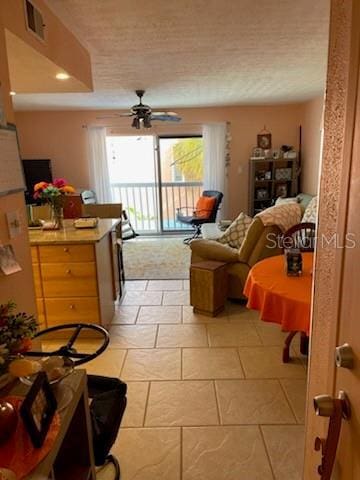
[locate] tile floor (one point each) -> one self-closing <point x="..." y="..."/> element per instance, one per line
<point x="208" y="398"/>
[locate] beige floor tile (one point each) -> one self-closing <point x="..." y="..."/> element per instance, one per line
<point x="266" y="362"/>
<point x="142" y="298"/>
<point x="181" y="403"/>
<point x="207" y="363"/>
<point x="182" y="336"/>
<point x="238" y="313"/>
<point x="190" y="317"/>
<point x="134" y="415"/>
<point x="152" y="364"/>
<point x="125" y="315"/>
<point x="165" y="285"/>
<point x="109" y="363"/>
<point x="248" y="402"/>
<point x="181" y="297"/>
<point x="149" y="453"/>
<point x="186" y="284"/>
<point x="133" y="336"/>
<point x="232" y="335"/>
<point x="132" y="285"/>
<point x="270" y="333"/>
<point x="295" y="391"/>
<point x="225" y="453"/>
<point x="285" y="445"/>
<point x="160" y="314"/>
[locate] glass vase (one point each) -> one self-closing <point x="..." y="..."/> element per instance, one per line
<point x="57" y="215"/>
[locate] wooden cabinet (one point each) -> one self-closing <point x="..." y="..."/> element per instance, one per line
<point x="269" y="179"/>
<point x="74" y="282"/>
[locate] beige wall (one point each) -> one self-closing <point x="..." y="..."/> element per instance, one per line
<point x="19" y="286"/>
<point x="311" y="130"/>
<point x="60" y="136"/>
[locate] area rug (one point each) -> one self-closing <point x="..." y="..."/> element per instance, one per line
<point x="156" y="258"/>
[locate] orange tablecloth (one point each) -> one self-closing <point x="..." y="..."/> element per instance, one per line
<point x="279" y="298"/>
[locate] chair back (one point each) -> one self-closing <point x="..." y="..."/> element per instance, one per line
<point x="88" y="197"/>
<point x="301" y="236"/>
<point x="218" y="198"/>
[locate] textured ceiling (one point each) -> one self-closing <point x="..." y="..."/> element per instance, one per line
<point x="189" y="53"/>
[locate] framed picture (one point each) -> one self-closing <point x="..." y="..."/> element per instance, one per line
<point x="262" y="194"/>
<point x="276" y="154"/>
<point x="281" y="190"/>
<point x="257" y="153"/>
<point x="264" y="141"/>
<point x="38" y="409"/>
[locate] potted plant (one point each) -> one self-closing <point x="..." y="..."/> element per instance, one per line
<point x="54" y="194"/>
<point x="16" y="332"/>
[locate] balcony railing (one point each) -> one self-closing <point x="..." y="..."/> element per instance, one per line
<point x="143" y="202"/>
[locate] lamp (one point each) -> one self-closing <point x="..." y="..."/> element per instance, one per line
<point x="136" y="123"/>
<point x="147" y="121"/>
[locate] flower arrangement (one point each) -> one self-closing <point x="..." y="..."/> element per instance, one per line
<point x="16" y="332"/>
<point x="53" y="193"/>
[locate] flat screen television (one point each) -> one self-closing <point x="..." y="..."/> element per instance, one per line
<point x="35" y="170"/>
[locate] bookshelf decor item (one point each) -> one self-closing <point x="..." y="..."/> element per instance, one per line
<point x="264" y="139"/>
<point x="270" y="178"/>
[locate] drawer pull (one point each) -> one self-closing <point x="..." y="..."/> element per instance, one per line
<point x="68" y="271"/>
<point x="71" y="307"/>
<point x="66" y="249"/>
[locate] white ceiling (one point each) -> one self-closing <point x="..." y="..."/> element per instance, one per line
<point x="189" y="53"/>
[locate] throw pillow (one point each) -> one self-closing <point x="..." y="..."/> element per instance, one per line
<point x="310" y="214"/>
<point x="235" y="233"/>
<point x="204" y="207"/>
<point x="281" y="200"/>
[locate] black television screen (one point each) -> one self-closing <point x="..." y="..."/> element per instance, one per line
<point x="35" y="171"/>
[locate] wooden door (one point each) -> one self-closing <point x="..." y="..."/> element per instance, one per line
<point x="337" y="268"/>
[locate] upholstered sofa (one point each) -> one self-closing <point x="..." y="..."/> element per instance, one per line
<point x="259" y="243"/>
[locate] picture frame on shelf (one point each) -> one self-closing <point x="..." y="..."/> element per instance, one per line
<point x="38" y="409"/>
<point x="281" y="190"/>
<point x="283" y="174"/>
<point x="257" y="153"/>
<point x="262" y="194"/>
<point x="276" y="154"/>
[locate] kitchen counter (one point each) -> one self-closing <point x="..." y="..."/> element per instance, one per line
<point x="71" y="235"/>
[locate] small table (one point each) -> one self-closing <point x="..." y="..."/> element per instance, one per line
<point x="208" y="287"/>
<point x="282" y="299"/>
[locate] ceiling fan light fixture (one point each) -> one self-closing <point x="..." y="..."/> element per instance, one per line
<point x="147" y="121"/>
<point x="136" y="123"/>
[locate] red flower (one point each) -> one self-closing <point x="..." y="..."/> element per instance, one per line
<point x="59" y="182"/>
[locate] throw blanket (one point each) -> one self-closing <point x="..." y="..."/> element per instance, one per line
<point x="284" y="215"/>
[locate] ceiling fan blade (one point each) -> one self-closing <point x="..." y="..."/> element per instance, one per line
<point x="170" y="114"/>
<point x="116" y="115"/>
<point x="165" y="117"/>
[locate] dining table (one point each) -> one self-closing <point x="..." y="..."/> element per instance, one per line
<point x="282" y="299"/>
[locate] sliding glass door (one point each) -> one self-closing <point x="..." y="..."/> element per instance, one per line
<point x="181" y="165"/>
<point x="153" y="177"/>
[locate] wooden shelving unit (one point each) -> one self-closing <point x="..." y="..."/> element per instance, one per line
<point x="269" y="179"/>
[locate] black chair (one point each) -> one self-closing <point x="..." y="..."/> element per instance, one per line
<point x="187" y="214"/>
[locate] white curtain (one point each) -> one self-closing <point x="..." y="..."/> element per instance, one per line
<point x="98" y="166"/>
<point x="214" y="138"/>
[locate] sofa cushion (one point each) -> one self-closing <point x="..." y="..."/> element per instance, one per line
<point x="212" y="250"/>
<point x="310" y="214"/>
<point x="235" y="233"/>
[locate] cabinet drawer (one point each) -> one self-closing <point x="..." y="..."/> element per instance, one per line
<point x="37" y="280"/>
<point x="66" y="253"/>
<point x="34" y="255"/>
<point x="69" y="279"/>
<point x="40" y="313"/>
<point x="71" y="310"/>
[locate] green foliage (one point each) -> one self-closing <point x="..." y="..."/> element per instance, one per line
<point x="188" y="156"/>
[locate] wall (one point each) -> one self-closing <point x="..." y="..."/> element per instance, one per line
<point x="60" y="135"/>
<point x="311" y="130"/>
<point x="19" y="286"/>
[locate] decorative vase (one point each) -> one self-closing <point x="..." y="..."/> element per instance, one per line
<point x="57" y="214"/>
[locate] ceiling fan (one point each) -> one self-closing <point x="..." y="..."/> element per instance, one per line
<point x="143" y="115"/>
